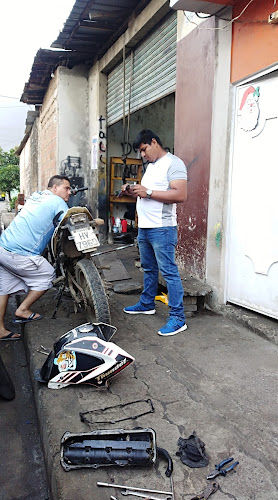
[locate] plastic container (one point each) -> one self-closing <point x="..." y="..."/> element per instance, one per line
<point x="118" y="224"/>
<point x="124" y="226"/>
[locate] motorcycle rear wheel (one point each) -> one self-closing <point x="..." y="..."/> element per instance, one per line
<point x="87" y="276"/>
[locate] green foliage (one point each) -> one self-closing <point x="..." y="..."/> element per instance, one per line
<point x="9" y="178"/>
<point x="12" y="202"/>
<point x="8" y="158"/>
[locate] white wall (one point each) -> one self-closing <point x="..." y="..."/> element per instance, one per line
<point x="24" y="163"/>
<point x="73" y="117"/>
<point x="219" y="169"/>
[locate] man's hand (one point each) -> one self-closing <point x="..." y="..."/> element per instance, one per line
<point x="176" y="194"/>
<point x="139" y="190"/>
<point x="127" y="191"/>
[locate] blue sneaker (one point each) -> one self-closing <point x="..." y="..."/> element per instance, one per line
<point x="138" y="309"/>
<point x="174" y="325"/>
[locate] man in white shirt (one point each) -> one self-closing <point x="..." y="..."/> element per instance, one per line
<point x="163" y="186"/>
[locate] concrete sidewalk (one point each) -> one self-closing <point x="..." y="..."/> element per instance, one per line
<point x="217" y="378"/>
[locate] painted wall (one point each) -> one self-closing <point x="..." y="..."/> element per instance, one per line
<point x="159" y="117"/>
<point x="73" y="129"/>
<point x="219" y="168"/>
<point x="97" y="144"/>
<point x="193" y="118"/>
<point x="34" y="160"/>
<point x="24" y="165"/>
<point x="29" y="163"/>
<point x="254" y="45"/>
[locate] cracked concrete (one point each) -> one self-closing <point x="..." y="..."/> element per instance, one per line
<point x="217" y="378"/>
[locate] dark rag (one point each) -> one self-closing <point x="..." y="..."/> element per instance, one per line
<point x="192" y="451"/>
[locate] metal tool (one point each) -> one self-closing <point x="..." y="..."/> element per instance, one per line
<point x="218" y="471"/>
<point x="113" y="249"/>
<point x="43" y="350"/>
<point x="132" y="488"/>
<point x="142" y="495"/>
<point x="172" y="487"/>
<point x="205" y="494"/>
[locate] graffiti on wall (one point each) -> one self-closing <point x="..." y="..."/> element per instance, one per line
<point x="99" y="158"/>
<point x="71" y="167"/>
<point x="98" y="155"/>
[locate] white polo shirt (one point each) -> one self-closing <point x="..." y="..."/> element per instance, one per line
<point x="152" y="213"/>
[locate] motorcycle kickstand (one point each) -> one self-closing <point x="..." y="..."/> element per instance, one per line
<point x="60" y="294"/>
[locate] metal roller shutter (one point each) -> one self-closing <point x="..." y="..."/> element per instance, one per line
<point x="153" y="72"/>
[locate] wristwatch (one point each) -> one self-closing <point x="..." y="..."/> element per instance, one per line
<point x="149" y="192"/>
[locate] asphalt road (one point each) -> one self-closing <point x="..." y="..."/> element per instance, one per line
<point x="22" y="470"/>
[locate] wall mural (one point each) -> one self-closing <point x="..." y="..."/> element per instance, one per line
<point x="71" y="167"/>
<point x="252" y="115"/>
<point x="249" y="110"/>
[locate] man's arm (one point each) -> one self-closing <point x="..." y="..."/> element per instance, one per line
<point x="176" y="194"/>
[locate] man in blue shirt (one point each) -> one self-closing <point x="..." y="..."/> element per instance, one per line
<point x="22" y="268"/>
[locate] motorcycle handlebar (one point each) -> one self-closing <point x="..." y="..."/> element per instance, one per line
<point x="76" y="190"/>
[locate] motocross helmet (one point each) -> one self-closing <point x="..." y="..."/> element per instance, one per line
<point x="84" y="355"/>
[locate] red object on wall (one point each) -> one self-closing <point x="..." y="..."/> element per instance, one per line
<point x="124" y="226"/>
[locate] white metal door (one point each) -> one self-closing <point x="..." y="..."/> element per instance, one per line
<point x="253" y="227"/>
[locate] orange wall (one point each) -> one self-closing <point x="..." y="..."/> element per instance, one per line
<point x="254" y="44"/>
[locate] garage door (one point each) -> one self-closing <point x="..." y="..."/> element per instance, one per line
<point x="152" y="70"/>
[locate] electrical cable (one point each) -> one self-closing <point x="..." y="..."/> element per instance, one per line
<point x="212" y="15"/>
<point x="9" y="97"/>
<point x="224" y="27"/>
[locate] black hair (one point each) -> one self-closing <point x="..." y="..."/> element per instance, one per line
<point x="145" y="137"/>
<point x="57" y="179"/>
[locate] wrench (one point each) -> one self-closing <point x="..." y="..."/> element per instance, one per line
<point x="142" y="495"/>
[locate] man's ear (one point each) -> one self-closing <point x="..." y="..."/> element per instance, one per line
<point x="154" y="141"/>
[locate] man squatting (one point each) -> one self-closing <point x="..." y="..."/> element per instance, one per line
<point x="22" y="268"/>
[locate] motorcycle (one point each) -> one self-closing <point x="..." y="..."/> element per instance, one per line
<point x="71" y="248"/>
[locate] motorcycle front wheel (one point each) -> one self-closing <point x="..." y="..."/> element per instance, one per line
<point x="87" y="276"/>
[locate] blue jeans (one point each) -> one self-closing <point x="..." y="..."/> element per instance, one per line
<point x="157" y="251"/>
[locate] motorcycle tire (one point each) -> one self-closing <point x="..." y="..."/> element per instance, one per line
<point x="87" y="276"/>
<point x="7" y="390"/>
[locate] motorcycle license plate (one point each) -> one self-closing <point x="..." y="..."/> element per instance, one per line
<point x="85" y="239"/>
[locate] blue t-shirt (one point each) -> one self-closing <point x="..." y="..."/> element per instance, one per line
<point x="32" y="228"/>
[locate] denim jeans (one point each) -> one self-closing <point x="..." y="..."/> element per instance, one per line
<point x="157" y="251"/>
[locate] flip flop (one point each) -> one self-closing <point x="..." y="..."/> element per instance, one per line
<point x="10" y="337"/>
<point x="27" y="320"/>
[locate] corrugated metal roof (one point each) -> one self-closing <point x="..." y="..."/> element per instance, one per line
<point x="91" y="28"/>
<point x="45" y="63"/>
<point x="97" y="24"/>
